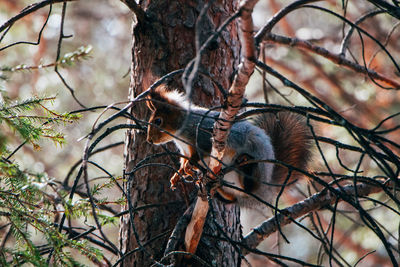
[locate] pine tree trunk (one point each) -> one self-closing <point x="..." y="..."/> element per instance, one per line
<point x="166" y="42"/>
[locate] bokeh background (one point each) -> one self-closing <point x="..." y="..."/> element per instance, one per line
<point x="102" y="78"/>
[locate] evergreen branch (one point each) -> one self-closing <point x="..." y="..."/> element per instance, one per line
<point x="35" y="117"/>
<point x="27" y="104"/>
<point x="67" y="60"/>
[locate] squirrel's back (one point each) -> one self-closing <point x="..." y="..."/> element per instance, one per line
<point x="291" y="138"/>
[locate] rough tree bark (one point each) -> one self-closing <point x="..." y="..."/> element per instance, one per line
<point x="164" y="42"/>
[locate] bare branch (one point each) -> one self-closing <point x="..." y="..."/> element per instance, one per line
<point x="390" y="9"/>
<point x="346" y="39"/>
<point x="28" y="10"/>
<point x="278" y="16"/>
<point x="178" y="230"/>
<point x="313" y="203"/>
<point x="337" y="59"/>
<point x="234" y="100"/>
<point x="223" y="124"/>
<point x="60" y="39"/>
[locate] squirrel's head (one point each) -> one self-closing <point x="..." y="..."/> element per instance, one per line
<point x="166" y="117"/>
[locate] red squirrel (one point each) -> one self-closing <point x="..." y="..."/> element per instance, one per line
<point x="283" y="136"/>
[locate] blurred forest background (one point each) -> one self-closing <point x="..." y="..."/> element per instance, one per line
<point x="97" y="59"/>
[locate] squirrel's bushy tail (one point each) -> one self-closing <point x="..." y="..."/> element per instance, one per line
<point x="291" y="138"/>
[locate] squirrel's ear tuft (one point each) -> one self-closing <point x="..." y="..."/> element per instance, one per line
<point x="155" y="97"/>
<point x="149" y="103"/>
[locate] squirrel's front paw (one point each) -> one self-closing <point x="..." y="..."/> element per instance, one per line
<point x="188" y="174"/>
<point x="174" y="180"/>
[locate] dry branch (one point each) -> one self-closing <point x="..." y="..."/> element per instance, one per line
<point x="223" y="124"/>
<point x="313" y="203"/>
<point x="235" y="95"/>
<point x="337" y="59"/>
<point x="28" y="10"/>
<point x="178" y="230"/>
<point x="266" y="29"/>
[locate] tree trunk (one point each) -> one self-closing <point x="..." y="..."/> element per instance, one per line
<point x="163" y="43"/>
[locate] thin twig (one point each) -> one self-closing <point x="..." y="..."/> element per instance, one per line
<point x="28" y="10"/>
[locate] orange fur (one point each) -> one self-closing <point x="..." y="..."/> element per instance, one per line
<point x="165" y="106"/>
<point x="168" y="111"/>
<point x="289" y="134"/>
<point x="291" y="139"/>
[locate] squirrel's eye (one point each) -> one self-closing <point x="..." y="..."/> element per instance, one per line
<point x="157" y="121"/>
